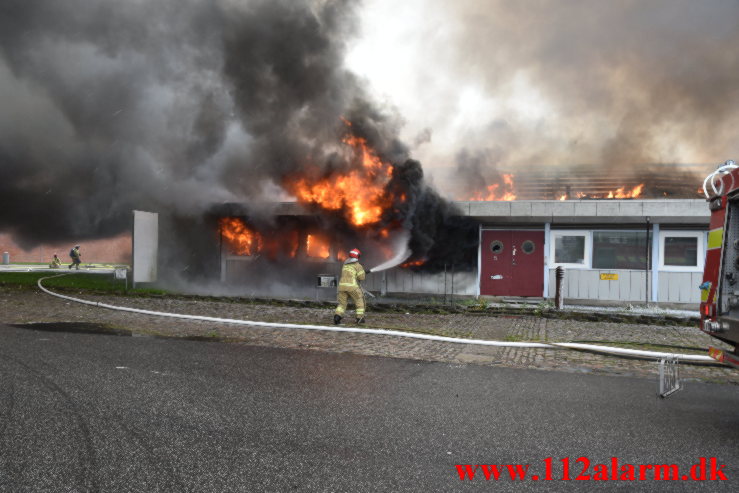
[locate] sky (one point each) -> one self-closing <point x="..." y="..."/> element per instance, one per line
<point x="551" y="83"/>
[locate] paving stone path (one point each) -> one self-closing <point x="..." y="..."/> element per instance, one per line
<point x="21" y="306"/>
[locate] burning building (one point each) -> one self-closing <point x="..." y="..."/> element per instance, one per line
<point x="649" y="250"/>
<point x="616" y="244"/>
<point x="175" y="108"/>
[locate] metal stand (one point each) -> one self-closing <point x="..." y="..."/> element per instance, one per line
<point x="122" y="274"/>
<point x="669" y="377"/>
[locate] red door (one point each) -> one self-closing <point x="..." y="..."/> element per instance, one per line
<point x="512" y="263"/>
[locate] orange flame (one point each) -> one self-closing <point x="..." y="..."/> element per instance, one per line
<point x="622" y="193"/>
<point x="414" y="263"/>
<point x="619" y="193"/>
<point x="507" y="193"/>
<point x="317" y="246"/>
<point x="360" y="193"/>
<point x="241" y="239"/>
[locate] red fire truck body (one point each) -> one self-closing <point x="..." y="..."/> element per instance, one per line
<point x="719" y="306"/>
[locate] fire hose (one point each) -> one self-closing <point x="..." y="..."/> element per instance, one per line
<point x="366" y="292"/>
<point x="395" y="333"/>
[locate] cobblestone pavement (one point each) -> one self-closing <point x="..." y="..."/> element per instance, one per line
<point x="18" y="306"/>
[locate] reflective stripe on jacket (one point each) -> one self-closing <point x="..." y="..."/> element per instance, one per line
<point x="351" y="273"/>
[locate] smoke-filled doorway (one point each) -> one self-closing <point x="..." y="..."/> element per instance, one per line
<point x="512" y="263"/>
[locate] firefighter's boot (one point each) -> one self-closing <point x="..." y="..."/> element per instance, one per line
<point x="337" y="319"/>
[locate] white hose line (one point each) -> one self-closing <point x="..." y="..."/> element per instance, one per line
<point x="394" y="333"/>
<point x="616" y="351"/>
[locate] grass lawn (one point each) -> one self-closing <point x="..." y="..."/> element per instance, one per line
<point x="95" y="283"/>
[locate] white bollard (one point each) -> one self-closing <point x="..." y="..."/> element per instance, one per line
<point x="6" y="258"/>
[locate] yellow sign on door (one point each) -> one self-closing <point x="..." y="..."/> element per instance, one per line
<point x="609" y="277"/>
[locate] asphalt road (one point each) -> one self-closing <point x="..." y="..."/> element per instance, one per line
<point x="90" y="412"/>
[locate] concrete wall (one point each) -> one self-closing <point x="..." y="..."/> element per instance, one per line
<point x="585" y="284"/>
<point x="405" y="281"/>
<point x="247" y="275"/>
<point x="584" y="212"/>
<point x="679" y="287"/>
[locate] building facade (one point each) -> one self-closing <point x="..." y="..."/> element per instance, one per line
<point x="619" y="251"/>
<point x="611" y="250"/>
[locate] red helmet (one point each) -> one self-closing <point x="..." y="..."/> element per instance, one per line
<point x="355" y="253"/>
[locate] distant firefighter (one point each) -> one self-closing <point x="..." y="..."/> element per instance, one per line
<point x="75" y="254"/>
<point x="56" y="262"/>
<point x="351" y="273"/>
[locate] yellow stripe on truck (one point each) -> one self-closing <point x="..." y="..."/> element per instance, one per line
<point x="715" y="237"/>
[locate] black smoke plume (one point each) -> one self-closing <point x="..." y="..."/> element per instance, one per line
<point x="173" y="105"/>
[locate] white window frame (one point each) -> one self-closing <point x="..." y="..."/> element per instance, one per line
<point x="587" y="234"/>
<point x="700" y="236"/>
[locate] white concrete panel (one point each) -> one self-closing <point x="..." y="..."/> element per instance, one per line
<point x="522" y="208"/>
<point x="541" y="208"/>
<point x="683" y="287"/>
<point x="585" y="208"/>
<point x="571" y="283"/>
<point x="614" y="288"/>
<point x="562" y="208"/>
<point x="492" y="209"/>
<point x="696" y="279"/>
<point x="654" y="208"/>
<point x="673" y="292"/>
<point x="675" y="281"/>
<point x="663" y="294"/>
<point x="630" y="208"/>
<point x="607" y="209"/>
<point x="590" y="287"/>
<point x="609" y="290"/>
<point x="586" y="289"/>
<point x="688" y="208"/>
<point x="553" y="284"/>
<point x="568" y="284"/>
<point x="399" y="280"/>
<point x="145" y="246"/>
<point x="686" y="287"/>
<point x="636" y="287"/>
<point x="674" y="287"/>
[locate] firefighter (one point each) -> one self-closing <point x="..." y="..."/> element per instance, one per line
<point x="56" y="262"/>
<point x="75" y="254"/>
<point x="352" y="273"/>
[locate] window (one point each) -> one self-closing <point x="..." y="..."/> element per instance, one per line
<point x="681" y="250"/>
<point x="496" y="247"/>
<point x="570" y="249"/>
<point x="619" y="250"/>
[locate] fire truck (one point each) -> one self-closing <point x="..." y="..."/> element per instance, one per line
<point x="719" y="306"/>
